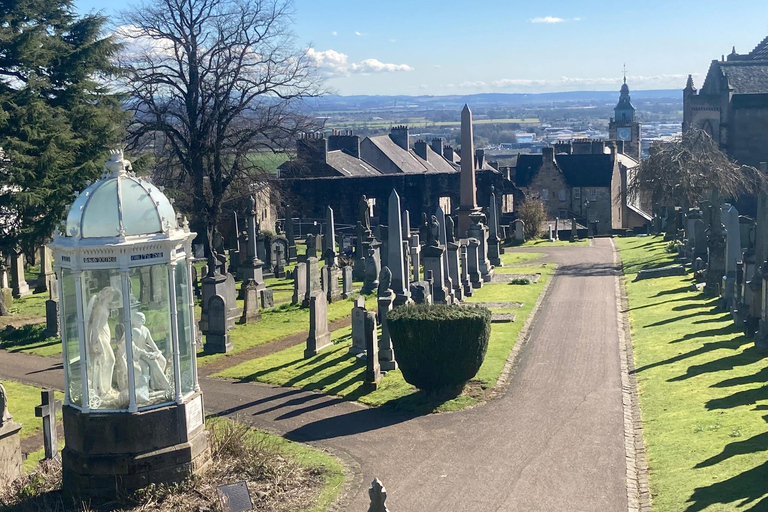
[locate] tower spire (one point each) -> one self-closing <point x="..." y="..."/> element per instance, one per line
<point x="625" y="73"/>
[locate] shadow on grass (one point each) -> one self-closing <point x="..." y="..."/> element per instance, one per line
<point x="633" y="268"/>
<point x="15" y="340"/>
<point x="746" y="397"/>
<point x="744" y="489"/>
<point x="657" y="303"/>
<point x="747" y="357"/>
<point x="674" y="291"/>
<point x="733" y="344"/>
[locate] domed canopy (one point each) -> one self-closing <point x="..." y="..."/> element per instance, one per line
<point x="119" y="205"/>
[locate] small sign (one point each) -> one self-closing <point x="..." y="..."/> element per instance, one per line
<point x="234" y="497"/>
<point x="194" y="414"/>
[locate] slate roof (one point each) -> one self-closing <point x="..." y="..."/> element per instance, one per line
<point x="747" y="77"/>
<point x="348" y="165"/>
<point x="579" y="170"/>
<point x="435" y="162"/>
<point x="404" y="160"/>
<point x="760" y="52"/>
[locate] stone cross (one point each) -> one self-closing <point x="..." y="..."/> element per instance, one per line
<point x="395" y="260"/>
<point x="372" y="364"/>
<point x="378" y="495"/>
<point x="319" y="335"/>
<point x="311" y="247"/>
<point x="47" y="410"/>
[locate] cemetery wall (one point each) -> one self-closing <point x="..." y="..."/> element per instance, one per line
<point x="748" y="126"/>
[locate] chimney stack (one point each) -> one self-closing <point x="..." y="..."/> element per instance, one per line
<point x="312" y="147"/>
<point x="399" y="135"/>
<point x="437" y="145"/>
<point x="548" y="154"/>
<point x="344" y="141"/>
<point x="420" y="148"/>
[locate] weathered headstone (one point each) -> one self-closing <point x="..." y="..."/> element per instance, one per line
<point x="252" y="267"/>
<point x="574" y="230"/>
<point x="421" y="292"/>
<point x="372" y="269"/>
<point x="732" y="253"/>
<point x="10" y="443"/>
<point x="47" y="410"/>
<point x="289" y="234"/>
<point x="755" y="279"/>
<point x="319" y="335"/>
<point x="313" y="280"/>
<point x="434" y="254"/>
<point x="519" y="230"/>
<point x="473" y="263"/>
<point x="466" y="284"/>
<point x="494" y="242"/>
<point x="251" y="312"/>
<point x="361" y="251"/>
<point x="230" y="295"/>
<point x="346" y="282"/>
<point x="373" y="362"/>
<point x="386" y="300"/>
<point x="416" y="257"/>
<point x="217" y="338"/>
<point x="557" y="228"/>
<point x="330" y="282"/>
<point x="452" y="256"/>
<point x="46" y="270"/>
<point x="480" y="233"/>
<point x="278" y="250"/>
<point x="716" y="250"/>
<point x="299" y="283"/>
<point x="329" y="252"/>
<point x="267" y="298"/>
<point x="358" y="327"/>
<point x="311" y="246"/>
<point x="18" y="282"/>
<point x="396" y="257"/>
<point x="52" y="311"/>
<point x="443" y="239"/>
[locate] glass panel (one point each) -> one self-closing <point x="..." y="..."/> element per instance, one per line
<point x="76" y="211"/>
<point x="103" y="315"/>
<point x="186" y="339"/>
<point x="70" y="337"/>
<point x="151" y="334"/>
<point x="101" y="217"/>
<point x="142" y="216"/>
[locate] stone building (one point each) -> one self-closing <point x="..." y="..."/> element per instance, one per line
<point x="583" y="179"/>
<point x="732" y="104"/>
<point x="339" y="169"/>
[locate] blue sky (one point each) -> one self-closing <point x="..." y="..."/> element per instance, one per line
<point x="451" y="47"/>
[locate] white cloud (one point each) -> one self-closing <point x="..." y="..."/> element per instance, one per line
<point x="547" y="19"/>
<point x="477" y="84"/>
<point x="358" y="34"/>
<point x="334" y="33"/>
<point x="333" y="63"/>
<point x="634" y="81"/>
<point x="393" y="40"/>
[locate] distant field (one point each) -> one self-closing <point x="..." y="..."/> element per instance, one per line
<point x="269" y="161"/>
<point x="422" y="123"/>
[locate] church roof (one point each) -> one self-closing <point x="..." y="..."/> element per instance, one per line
<point x="760" y="52"/>
<point x="747" y="77"/>
<point x="579" y="170"/>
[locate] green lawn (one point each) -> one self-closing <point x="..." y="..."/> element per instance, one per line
<point x="702" y="393"/>
<point x="544" y="242"/>
<point x="516" y="258"/>
<point x="335" y="372"/>
<point x="22" y="400"/>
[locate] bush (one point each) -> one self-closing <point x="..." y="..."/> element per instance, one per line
<point x="533" y="214"/>
<point x="439" y="346"/>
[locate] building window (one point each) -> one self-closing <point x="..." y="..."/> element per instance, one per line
<point x="445" y="204"/>
<point x="577" y="193"/>
<point x="545" y="194"/>
<point x="508" y="203"/>
<point x="561" y="195"/>
<point x="593" y="194"/>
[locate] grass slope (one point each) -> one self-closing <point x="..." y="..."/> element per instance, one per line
<point x="22" y="400"/>
<point x="335" y="372"/>
<point x="702" y="393"/>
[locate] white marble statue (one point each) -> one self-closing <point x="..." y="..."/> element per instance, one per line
<point x="147" y="355"/>
<point x="5" y="416"/>
<point x="98" y="337"/>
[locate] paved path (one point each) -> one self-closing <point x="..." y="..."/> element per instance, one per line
<point x="554" y="441"/>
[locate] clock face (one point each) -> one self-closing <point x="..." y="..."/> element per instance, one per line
<point x="624" y="133"/>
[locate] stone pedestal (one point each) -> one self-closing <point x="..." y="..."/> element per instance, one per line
<point x="372" y="269"/>
<point x="114" y="454"/>
<point x="433" y="261"/>
<point x="387" y="360"/>
<point x="10" y="452"/>
<point x="453" y="270"/>
<point x="211" y="285"/>
<point x="479" y="232"/>
<point x="466" y="284"/>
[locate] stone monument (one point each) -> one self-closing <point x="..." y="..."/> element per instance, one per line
<point x="358" y="327"/>
<point x="372" y="363"/>
<point x="386" y="299"/>
<point x="319" y="335"/>
<point x="10" y="443"/>
<point x="434" y="254"/>
<point x="468" y="188"/>
<point x="494" y="242"/>
<point x="395" y="248"/>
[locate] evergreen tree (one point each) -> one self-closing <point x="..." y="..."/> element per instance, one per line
<point x="57" y="115"/>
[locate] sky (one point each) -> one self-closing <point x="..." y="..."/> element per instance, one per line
<point x="415" y="47"/>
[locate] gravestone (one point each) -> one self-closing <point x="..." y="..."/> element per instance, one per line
<point x="198" y="251"/>
<point x="361" y="251"/>
<point x="372" y="269"/>
<point x="4" y="278"/>
<point x="251" y="311"/>
<point x="195" y="282"/>
<point x="18" y="282"/>
<point x="311" y="246"/>
<point x="716" y="250"/>
<point x="574" y="230"/>
<point x="319" y="335"/>
<point x="385" y="300"/>
<point x="557" y="228"/>
<point x="434" y="254"/>
<point x="10" y="443"/>
<point x="755" y="279"/>
<point x="452" y="256"/>
<point x="466" y="284"/>
<point x="443" y="239"/>
<point x="480" y="233"/>
<point x="211" y="285"/>
<point x="416" y="257"/>
<point x="52" y="310"/>
<point x="299" y="283"/>
<point x="406" y="222"/>
<point x="313" y="281"/>
<point x="396" y="258"/>
<point x="494" y="242"/>
<point x="329" y="252"/>
<point x="267" y="298"/>
<point x="551" y="238"/>
<point x="699" y="239"/>
<point x="519" y="231"/>
<point x="358" y="327"/>
<point x="346" y="282"/>
<point x="421" y="292"/>
<point x="252" y="267"/>
<point x="230" y="295"/>
<point x="373" y="361"/>
<point x="217" y="339"/>
<point x="289" y="234"/>
<point x="330" y="282"/>
<point x="46" y="270"/>
<point x="473" y="263"/>
<point x="47" y="410"/>
<point x="732" y="254"/>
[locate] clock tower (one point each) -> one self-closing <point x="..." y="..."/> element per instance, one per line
<point x="623" y="126"/>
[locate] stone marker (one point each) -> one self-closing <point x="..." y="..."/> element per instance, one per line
<point x="10" y="443"/>
<point x="378" y="495"/>
<point x="230" y="295"/>
<point x="299" y="283"/>
<point x="732" y="254"/>
<point x="289" y="234"/>
<point x="473" y="263"/>
<point x="396" y="259"/>
<point x="46" y="270"/>
<point x="266" y="298"/>
<point x="361" y="251"/>
<point x="434" y="254"/>
<point x="313" y="281"/>
<point x="52" y="310"/>
<point x="372" y="363"/>
<point x="494" y="242"/>
<point x="386" y="299"/>
<point x="421" y="292"/>
<point x="217" y="339"/>
<point x="18" y="282"/>
<point x="468" y="187"/>
<point x="557" y="228"/>
<point x="358" y="327"/>
<point x="466" y="284"/>
<point x="716" y="250"/>
<point x="372" y="269"/>
<point x="47" y="410"/>
<point x="653" y="273"/>
<point x="251" y="311"/>
<point x="443" y="239"/>
<point x="234" y="497"/>
<point x="480" y="232"/>
<point x="346" y="282"/>
<point x="319" y="335"/>
<point x="519" y="230"/>
<point x="452" y="256"/>
<point x="311" y="246"/>
<point x="330" y="281"/>
<point x="329" y="250"/>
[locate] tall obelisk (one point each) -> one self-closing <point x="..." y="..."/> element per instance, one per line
<point x="468" y="188"/>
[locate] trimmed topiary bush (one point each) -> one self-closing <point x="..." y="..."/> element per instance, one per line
<point x="439" y="346"/>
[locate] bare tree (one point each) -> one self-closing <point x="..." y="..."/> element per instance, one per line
<point x="212" y="84"/>
<point x="686" y="170"/>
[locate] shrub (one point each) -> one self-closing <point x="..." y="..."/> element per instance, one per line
<point x="533" y="214"/>
<point x="439" y="346"/>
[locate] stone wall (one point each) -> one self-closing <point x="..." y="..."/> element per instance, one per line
<point x="748" y="129"/>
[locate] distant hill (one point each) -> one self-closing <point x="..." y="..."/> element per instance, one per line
<point x="336" y="102"/>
